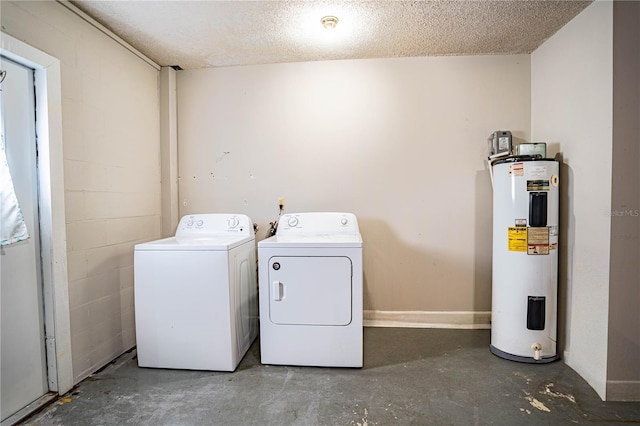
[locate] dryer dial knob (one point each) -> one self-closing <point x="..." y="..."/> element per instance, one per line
<point x="344" y="221"/>
<point x="293" y="221"/>
<point x="233" y="222"/>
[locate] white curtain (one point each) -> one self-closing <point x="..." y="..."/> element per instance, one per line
<point x="12" y="226"/>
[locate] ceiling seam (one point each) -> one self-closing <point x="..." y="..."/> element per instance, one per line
<point x="108" y="32"/>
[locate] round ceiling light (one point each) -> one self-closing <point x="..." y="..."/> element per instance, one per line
<point x="329" y="22"/>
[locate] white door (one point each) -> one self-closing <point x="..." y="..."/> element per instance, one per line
<point x="23" y="371"/>
<point x="310" y="290"/>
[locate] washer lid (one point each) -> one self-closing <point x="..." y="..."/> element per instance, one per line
<point x="320" y="241"/>
<point x="212" y="243"/>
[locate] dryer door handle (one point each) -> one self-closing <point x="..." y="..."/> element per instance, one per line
<point x="277" y="290"/>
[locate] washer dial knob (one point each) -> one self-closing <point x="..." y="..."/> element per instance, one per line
<point x="233" y="222"/>
<point x="344" y="221"/>
<point x="293" y="221"/>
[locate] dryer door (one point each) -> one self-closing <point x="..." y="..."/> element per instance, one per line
<point x="310" y="290"/>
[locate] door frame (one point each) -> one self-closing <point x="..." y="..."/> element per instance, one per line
<point x="53" y="237"/>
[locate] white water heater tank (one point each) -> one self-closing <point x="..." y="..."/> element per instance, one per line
<point x="525" y="259"/>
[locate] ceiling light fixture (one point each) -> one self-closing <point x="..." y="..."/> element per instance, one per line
<point x="329" y="22"/>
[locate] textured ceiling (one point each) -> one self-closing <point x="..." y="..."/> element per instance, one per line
<point x="201" y="34"/>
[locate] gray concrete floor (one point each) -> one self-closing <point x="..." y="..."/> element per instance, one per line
<point x="410" y="377"/>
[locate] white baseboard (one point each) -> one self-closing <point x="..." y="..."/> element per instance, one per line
<point x="428" y="319"/>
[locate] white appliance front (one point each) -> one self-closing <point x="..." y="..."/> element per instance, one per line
<point x="311" y="293"/>
<point x="300" y="298"/>
<point x="196" y="299"/>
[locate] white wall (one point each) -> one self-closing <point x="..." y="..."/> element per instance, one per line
<point x="571" y="106"/>
<point x="398" y="142"/>
<point x="112" y="171"/>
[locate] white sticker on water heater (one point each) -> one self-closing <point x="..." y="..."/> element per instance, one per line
<point x="538" y="240"/>
<point x="537" y="172"/>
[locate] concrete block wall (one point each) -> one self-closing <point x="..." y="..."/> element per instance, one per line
<point x="110" y="111"/>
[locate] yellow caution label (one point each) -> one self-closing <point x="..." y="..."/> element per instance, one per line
<point x="517" y="238"/>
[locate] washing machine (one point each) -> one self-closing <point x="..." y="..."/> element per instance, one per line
<point x="310" y="276"/>
<point x="196" y="297"/>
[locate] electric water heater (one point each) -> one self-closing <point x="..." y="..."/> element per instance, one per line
<point x="525" y="259"/>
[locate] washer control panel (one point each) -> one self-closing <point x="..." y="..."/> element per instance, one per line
<point x="317" y="223"/>
<point x="207" y="225"/>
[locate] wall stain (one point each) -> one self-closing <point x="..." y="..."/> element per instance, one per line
<point x="224" y="154"/>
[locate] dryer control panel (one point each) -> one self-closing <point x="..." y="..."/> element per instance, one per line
<point x="207" y="225"/>
<point x="318" y="223"/>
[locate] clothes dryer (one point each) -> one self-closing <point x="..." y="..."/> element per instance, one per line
<point x="310" y="276"/>
<point x="196" y="294"/>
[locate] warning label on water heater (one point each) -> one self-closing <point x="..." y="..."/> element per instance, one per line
<point x="517" y="238"/>
<point x="538" y="241"/>
<point x="516" y="169"/>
